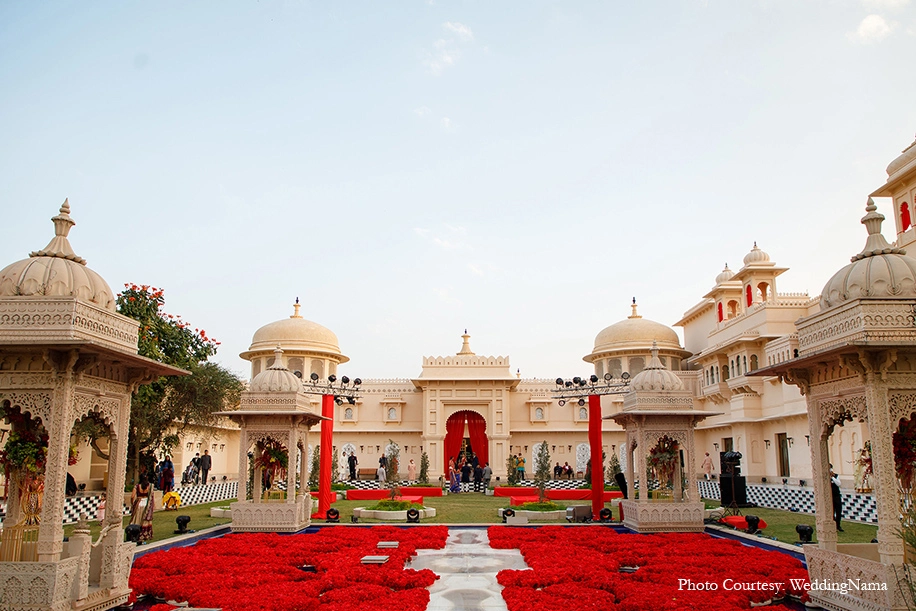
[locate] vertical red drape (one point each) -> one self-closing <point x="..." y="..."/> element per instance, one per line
<point x="324" y="469"/>
<point x="594" y="443"/>
<point x="477" y="430"/>
<point x="454" y="432"/>
<point x="748" y="291"/>
<point x="904" y="216"/>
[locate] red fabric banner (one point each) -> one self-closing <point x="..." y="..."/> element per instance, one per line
<point x="594" y="442"/>
<point x="324" y="470"/>
<point x="477" y="429"/>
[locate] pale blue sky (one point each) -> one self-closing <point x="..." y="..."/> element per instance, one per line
<point x="412" y="169"/>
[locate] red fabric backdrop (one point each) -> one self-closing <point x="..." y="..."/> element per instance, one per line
<point x="477" y="430"/>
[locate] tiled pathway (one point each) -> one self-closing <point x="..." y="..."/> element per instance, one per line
<point x="467" y="570"/>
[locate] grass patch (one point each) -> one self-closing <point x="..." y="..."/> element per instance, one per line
<point x="389" y="505"/>
<point x="541" y="506"/>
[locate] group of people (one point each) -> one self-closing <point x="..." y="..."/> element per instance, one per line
<point x="518" y="463"/>
<point x="198" y="470"/>
<point x="468" y="470"/>
<point x="563" y="471"/>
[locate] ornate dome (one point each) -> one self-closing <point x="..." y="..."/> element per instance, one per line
<point x="296" y="334"/>
<point x="635" y="331"/>
<point x="907" y="156"/>
<point x="756" y="256"/>
<point x="276" y="378"/>
<point x="725" y="275"/>
<point x="880" y="271"/>
<point x="56" y="271"/>
<point x="655" y="377"/>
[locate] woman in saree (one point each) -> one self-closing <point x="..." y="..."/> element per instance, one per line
<point x="142" y="507"/>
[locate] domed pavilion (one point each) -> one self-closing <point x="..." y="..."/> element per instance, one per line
<point x="65" y="355"/>
<point x="857" y="363"/>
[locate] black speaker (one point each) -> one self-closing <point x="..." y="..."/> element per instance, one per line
<point x="733" y="489"/>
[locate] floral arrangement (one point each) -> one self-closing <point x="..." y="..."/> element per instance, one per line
<point x="272" y="457"/>
<point x="663" y="459"/>
<point x="230" y="571"/>
<point x="905" y="453"/>
<point x="600" y="569"/>
<point x="74" y="456"/>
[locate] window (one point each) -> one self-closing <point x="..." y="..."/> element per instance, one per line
<point x="539" y="413"/>
<point x="719" y="308"/>
<point x="583" y="413"/>
<point x="732" y="308"/>
<point x="348" y="413"/>
<point x="782" y="454"/>
<point x="392" y="413"/>
<point x="904" y="217"/>
<point x="753" y="362"/>
<point x="748" y="292"/>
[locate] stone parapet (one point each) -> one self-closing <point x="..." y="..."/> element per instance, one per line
<point x="63" y="320"/>
<point x="845" y="581"/>
<point x="252" y="516"/>
<point x="662" y="516"/>
<point x="862" y="321"/>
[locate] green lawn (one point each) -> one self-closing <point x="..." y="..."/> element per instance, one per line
<point x="475" y="508"/>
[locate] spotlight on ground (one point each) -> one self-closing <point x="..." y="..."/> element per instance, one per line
<point x="308" y="568"/>
<point x="753" y="524"/>
<point x="332" y="516"/>
<point x="605" y="515"/>
<point x="508" y="513"/>
<point x="132" y="533"/>
<point x="354" y="519"/>
<point x="413" y="516"/>
<point x="805" y="533"/>
<point x="182" y="522"/>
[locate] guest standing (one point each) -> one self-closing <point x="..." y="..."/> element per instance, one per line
<point x="487" y="475"/>
<point x="478" y="478"/>
<point x="837" y="498"/>
<point x="352" y="461"/>
<point x="707" y="466"/>
<point x="167" y="477"/>
<point x="205" y="463"/>
<point x="141" y="508"/>
<point x="411" y="471"/>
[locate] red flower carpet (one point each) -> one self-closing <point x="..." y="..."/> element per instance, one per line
<point x="261" y="572"/>
<point x="580" y="568"/>
<point x="571" y="569"/>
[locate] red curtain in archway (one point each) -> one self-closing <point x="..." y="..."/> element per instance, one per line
<point x="454" y="432"/>
<point x="477" y="431"/>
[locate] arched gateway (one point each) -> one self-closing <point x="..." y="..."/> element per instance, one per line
<point x="466" y="432"/>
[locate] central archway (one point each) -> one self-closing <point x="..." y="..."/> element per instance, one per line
<point x="476" y="427"/>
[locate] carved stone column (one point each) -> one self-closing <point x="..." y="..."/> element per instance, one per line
<point x="887" y="499"/>
<point x="820" y="468"/>
<point x="51" y="530"/>
<point x="291" y="464"/>
<point x="631" y="483"/>
<point x="243" y="463"/>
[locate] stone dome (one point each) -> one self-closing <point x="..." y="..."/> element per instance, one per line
<point x="635" y="331"/>
<point x="655" y="377"/>
<point x="276" y="378"/>
<point x="906" y="157"/>
<point x="296" y="334"/>
<point x="725" y="275"/>
<point x="756" y="256"/>
<point x="56" y="271"/>
<point x="880" y="271"/>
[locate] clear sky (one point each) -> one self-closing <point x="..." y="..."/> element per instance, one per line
<point x="413" y="169"/>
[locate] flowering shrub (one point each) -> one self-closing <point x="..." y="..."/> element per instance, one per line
<point x="663" y="458"/>
<point x="260" y="571"/>
<point x="584" y="565"/>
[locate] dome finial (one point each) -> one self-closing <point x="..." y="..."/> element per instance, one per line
<point x="296" y="307"/>
<point x="875" y="244"/>
<point x="278" y="358"/>
<point x="59" y="246"/>
<point x="634" y="313"/>
<point x="466" y="345"/>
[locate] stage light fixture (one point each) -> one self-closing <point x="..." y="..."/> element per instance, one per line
<point x="593" y="378"/>
<point x="413" y="516"/>
<point x="313" y="377"/>
<point x="332" y="378"/>
<point x="345" y="380"/>
<point x="332" y="515"/>
<point x="508" y="513"/>
<point x="561" y="402"/>
<point x="132" y="533"/>
<point x="182" y="522"/>
<point x="559" y="381"/>
<point x="357" y="382"/>
<point x="753" y="524"/>
<point x="605" y="515"/>
<point x="607" y="377"/>
<point x="805" y="532"/>
<point x="581" y="402"/>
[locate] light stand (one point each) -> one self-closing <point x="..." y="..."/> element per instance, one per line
<point x="331" y="392"/>
<point x="593" y="388"/>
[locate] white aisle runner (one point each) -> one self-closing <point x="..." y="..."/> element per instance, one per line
<point x="467" y="568"/>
